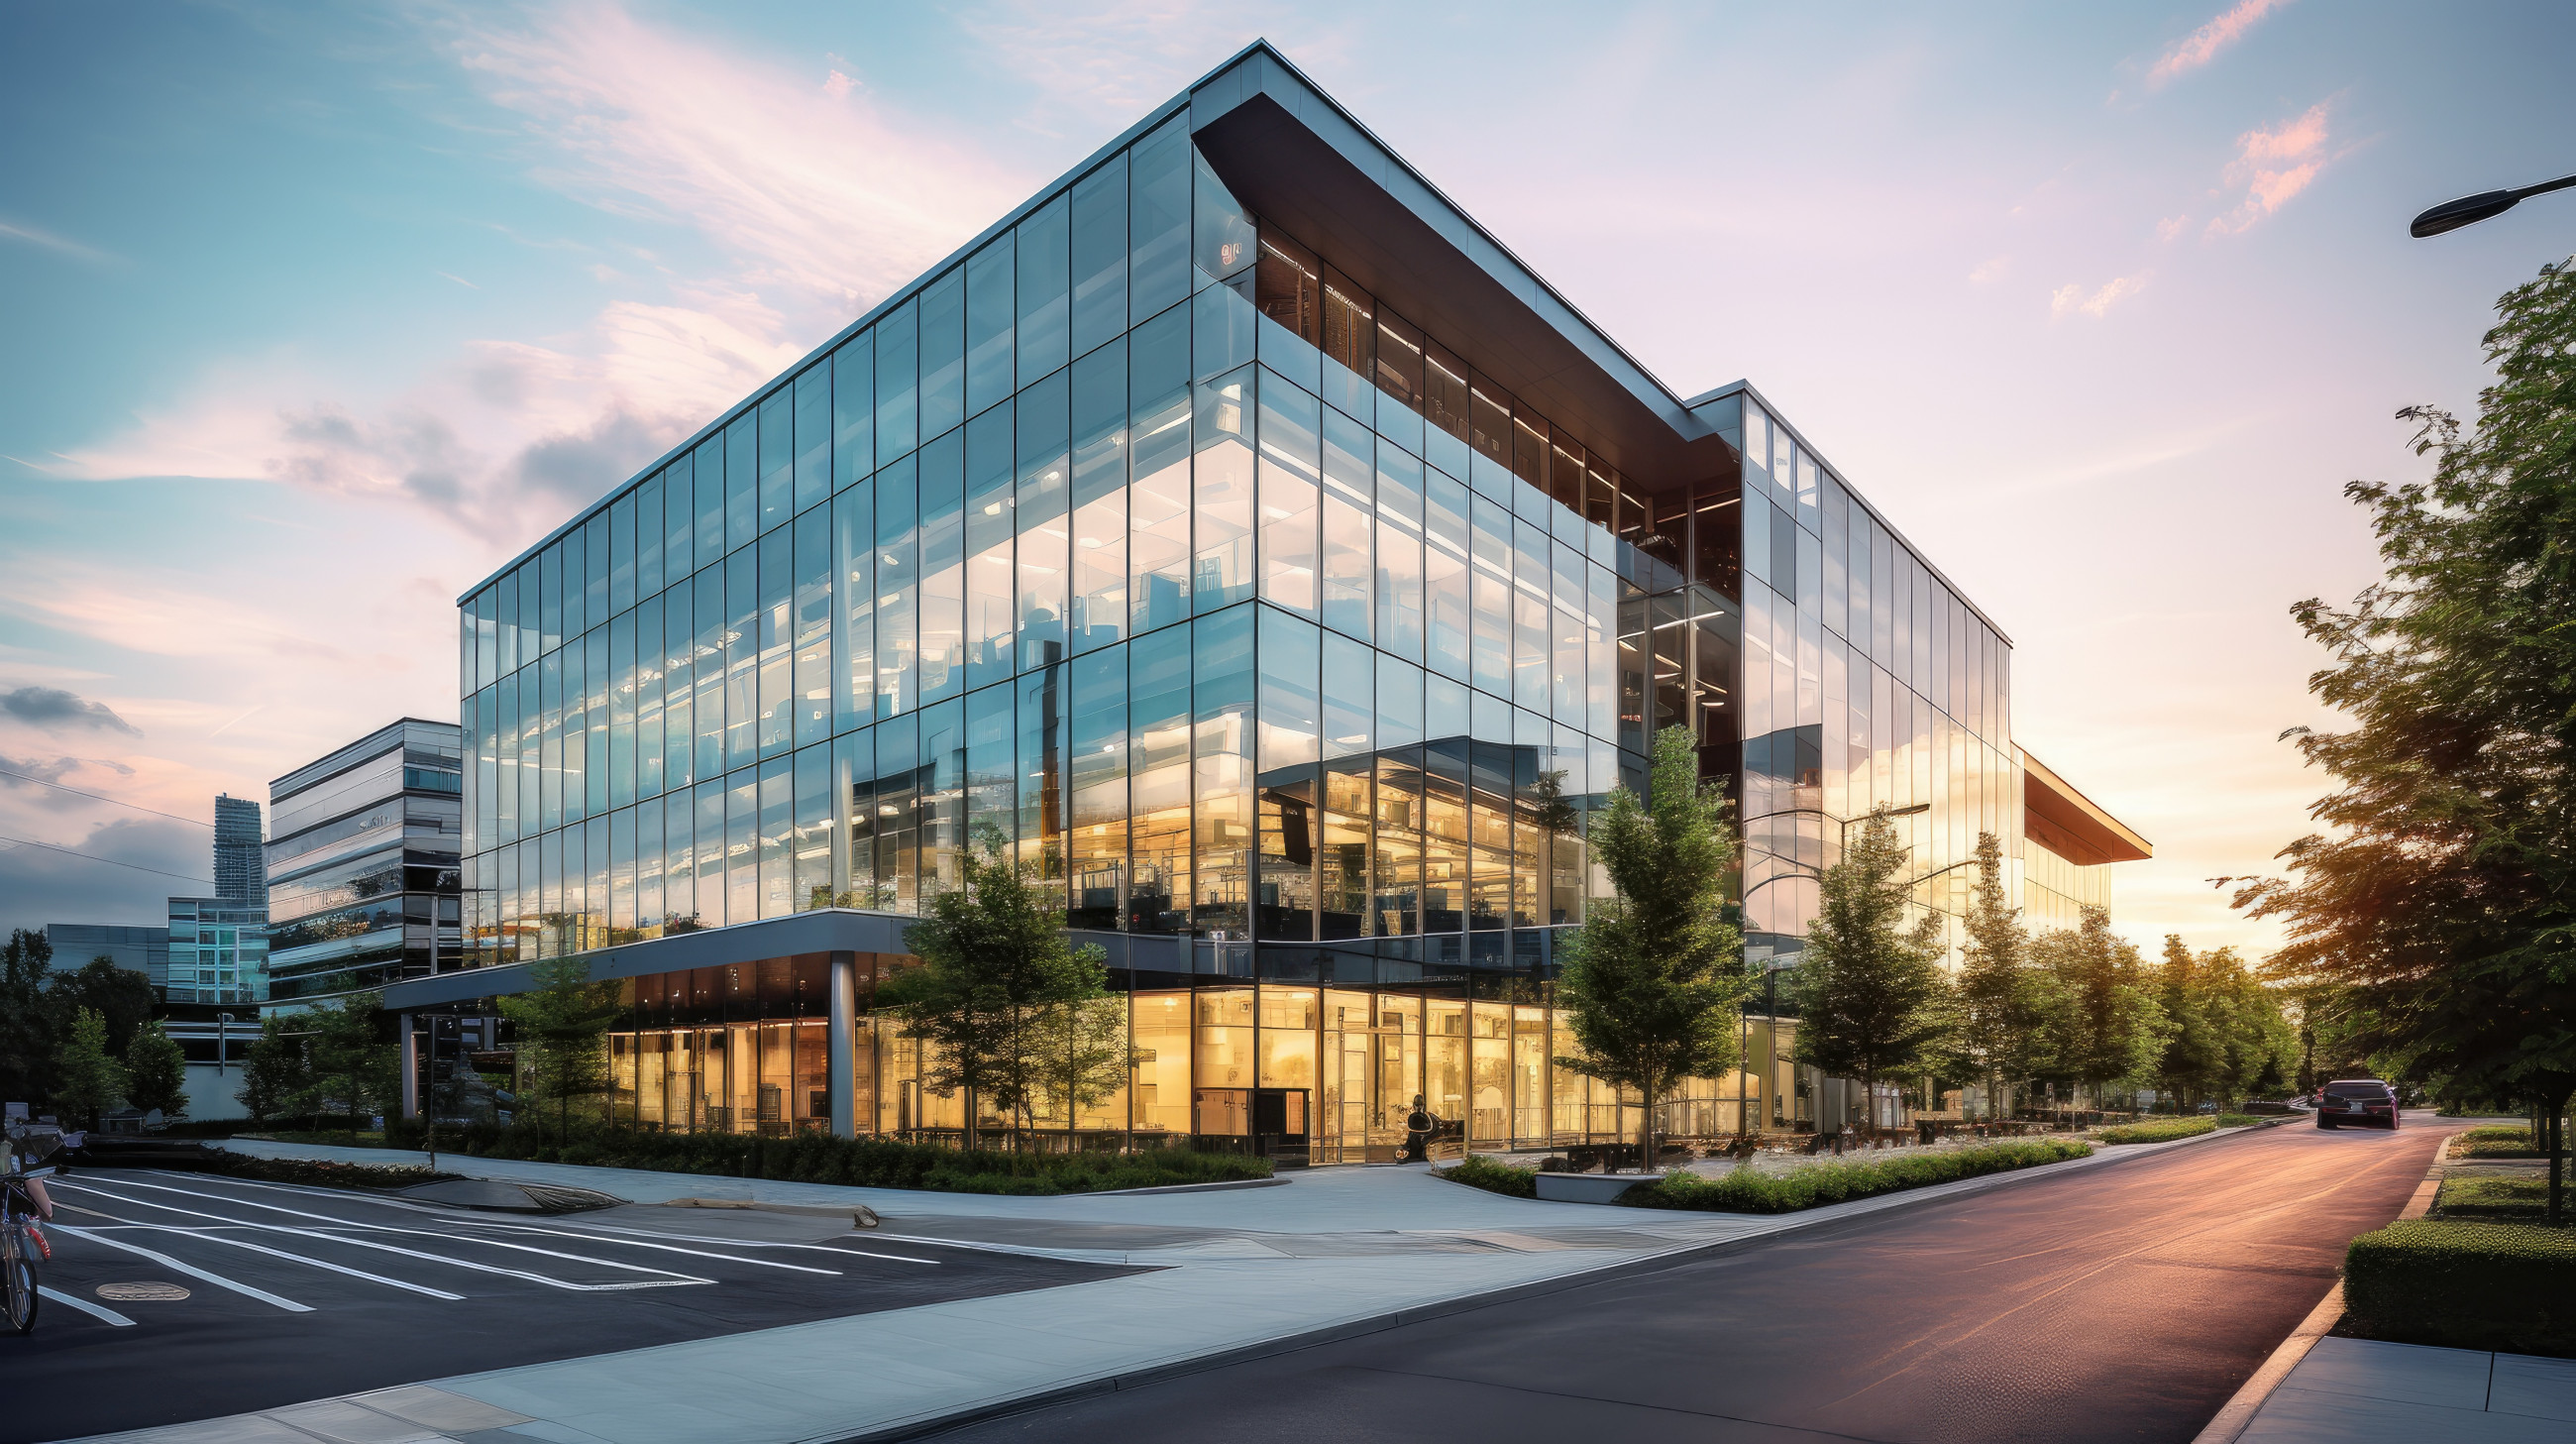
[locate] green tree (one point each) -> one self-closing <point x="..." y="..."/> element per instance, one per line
<point x="561" y="1028"/>
<point x="1872" y="997"/>
<point x="156" y="1073"/>
<point x="2194" y="1040"/>
<point x="27" y="1029"/>
<point x="277" y="1076"/>
<point x="2439" y="894"/>
<point x="1652" y="982"/>
<point x="352" y="1065"/>
<point x="91" y="1081"/>
<point x="2104" y="1026"/>
<point x="1996" y="1039"/>
<point x="995" y="962"/>
<point x="1082" y="1053"/>
<point x="121" y="997"/>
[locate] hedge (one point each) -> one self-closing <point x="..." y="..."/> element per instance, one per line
<point x="1490" y="1176"/>
<point x="2464" y="1285"/>
<point x="319" y="1173"/>
<point x="2159" y="1130"/>
<point x="2241" y="1120"/>
<point x="1746" y="1190"/>
<point x="821" y="1158"/>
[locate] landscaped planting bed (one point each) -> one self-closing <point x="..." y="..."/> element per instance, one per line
<point x="2496" y="1140"/>
<point x="865" y="1162"/>
<point x="1751" y="1190"/>
<point x="2159" y="1130"/>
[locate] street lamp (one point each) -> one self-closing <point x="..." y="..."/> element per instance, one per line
<point x="221" y="1019"/>
<point x="2469" y="210"/>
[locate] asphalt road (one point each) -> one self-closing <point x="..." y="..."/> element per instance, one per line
<point x="293" y="1294"/>
<point x="2125" y="1302"/>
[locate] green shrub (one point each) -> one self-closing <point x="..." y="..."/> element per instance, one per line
<point x="2158" y="1130"/>
<point x="2241" y="1120"/>
<point x="1747" y="1191"/>
<point x="319" y="1173"/>
<point x="2497" y="1141"/>
<point x="1490" y="1176"/>
<point x="861" y="1162"/>
<point x="2464" y="1285"/>
<point x="2493" y="1199"/>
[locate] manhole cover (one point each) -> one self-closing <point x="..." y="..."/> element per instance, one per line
<point x="143" y="1293"/>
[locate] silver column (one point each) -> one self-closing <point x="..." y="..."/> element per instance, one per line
<point x="841" y="1040"/>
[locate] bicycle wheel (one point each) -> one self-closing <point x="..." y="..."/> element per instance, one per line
<point x="22" y="1298"/>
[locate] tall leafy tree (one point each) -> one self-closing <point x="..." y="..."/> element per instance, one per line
<point x="2439" y="894"/>
<point x="1872" y="997"/>
<point x="1997" y="1037"/>
<point x="277" y="1076"/>
<point x="156" y="1073"/>
<point x="1652" y="981"/>
<point x="353" y="1066"/>
<point x="92" y="1081"/>
<point x="2194" y="1039"/>
<point x="995" y="967"/>
<point x="26" y="1027"/>
<point x="121" y="997"/>
<point x="2104" y="1026"/>
<point x="1082" y="1054"/>
<point x="561" y="1027"/>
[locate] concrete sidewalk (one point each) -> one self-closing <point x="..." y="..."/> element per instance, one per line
<point x="2358" y="1391"/>
<point x="1336" y="1252"/>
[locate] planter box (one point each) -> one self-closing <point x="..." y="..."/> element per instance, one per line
<point x="1590" y="1187"/>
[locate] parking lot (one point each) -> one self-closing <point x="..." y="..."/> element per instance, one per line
<point x="175" y="1296"/>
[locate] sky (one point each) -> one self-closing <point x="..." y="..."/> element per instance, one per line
<point x="314" y="315"/>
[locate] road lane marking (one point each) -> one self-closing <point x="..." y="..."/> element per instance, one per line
<point x="191" y="1270"/>
<point x="85" y="1306"/>
<point x="669" y="1278"/>
<point x="735" y="1242"/>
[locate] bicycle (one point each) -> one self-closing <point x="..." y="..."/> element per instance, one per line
<point x="21" y="1244"/>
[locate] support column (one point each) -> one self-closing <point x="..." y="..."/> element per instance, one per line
<point x="410" y="1037"/>
<point x="841" y="1041"/>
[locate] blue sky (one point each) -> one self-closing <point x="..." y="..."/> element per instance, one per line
<point x="318" y="314"/>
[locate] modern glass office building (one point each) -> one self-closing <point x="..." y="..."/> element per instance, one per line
<point x="362" y="864"/>
<point x="1286" y="575"/>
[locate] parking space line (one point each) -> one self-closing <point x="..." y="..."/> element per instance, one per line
<point x="731" y="1242"/>
<point x="85" y="1306"/>
<point x="191" y="1270"/>
<point x="669" y="1278"/>
<point x="210" y="1236"/>
<point x="637" y="1243"/>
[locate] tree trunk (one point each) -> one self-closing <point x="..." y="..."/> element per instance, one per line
<point x="970" y="1117"/>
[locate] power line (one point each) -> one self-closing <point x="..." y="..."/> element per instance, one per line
<point x="103" y="797"/>
<point x="93" y="857"/>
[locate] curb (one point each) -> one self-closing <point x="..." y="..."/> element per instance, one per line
<point x="1657" y="1262"/>
<point x="2237" y="1414"/>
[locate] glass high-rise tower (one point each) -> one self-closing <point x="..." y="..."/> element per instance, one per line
<point x="1245" y="540"/>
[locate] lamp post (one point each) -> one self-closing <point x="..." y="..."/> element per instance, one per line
<point x="2469" y="210"/>
<point x="221" y="1020"/>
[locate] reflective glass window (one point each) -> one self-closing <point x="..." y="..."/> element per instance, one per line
<point x="943" y="354"/>
<point x="989" y="521"/>
<point x="1042" y="263"/>
<point x="1158" y="229"/>
<point x="1099" y="255"/>
<point x="1045" y="542"/>
<point x="943" y="567"/>
<point x="1159" y="499"/>
<point x="1222" y="492"/>
<point x="990" y="306"/>
<point x="854" y="403"/>
<point x="1096" y="774"/>
<point x="1096" y="613"/>
<point x="777" y="457"/>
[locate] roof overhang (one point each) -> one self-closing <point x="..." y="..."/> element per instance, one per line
<point x="1301" y="162"/>
<point x="2057" y="804"/>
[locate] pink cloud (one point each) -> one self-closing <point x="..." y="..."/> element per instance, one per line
<point x="2272" y="166"/>
<point x="2202" y="46"/>
<point x="2073" y="300"/>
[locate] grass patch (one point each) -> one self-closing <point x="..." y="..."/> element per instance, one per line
<point x="2496" y="1141"/>
<point x="861" y="1163"/>
<point x="2502" y="1200"/>
<point x="2464" y="1284"/>
<point x="1748" y="1191"/>
<point x="2158" y="1130"/>
<point x="1490" y="1176"/>
<point x="2241" y="1120"/>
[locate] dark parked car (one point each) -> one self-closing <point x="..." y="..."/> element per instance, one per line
<point x="2357" y="1100"/>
